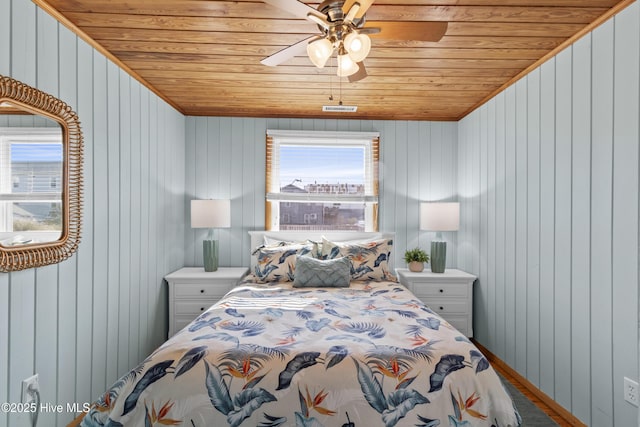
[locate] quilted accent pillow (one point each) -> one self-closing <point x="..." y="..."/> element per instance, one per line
<point x="277" y="263"/>
<point x="369" y="259"/>
<point x="312" y="272"/>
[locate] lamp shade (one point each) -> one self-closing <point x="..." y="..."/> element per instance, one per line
<point x="358" y="46"/>
<point x="210" y="213"/>
<point x="346" y="66"/>
<point x="319" y="52"/>
<point x="439" y="216"/>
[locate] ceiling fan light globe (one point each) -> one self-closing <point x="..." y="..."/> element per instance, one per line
<point x="358" y="45"/>
<point x="346" y="66"/>
<point x="319" y="52"/>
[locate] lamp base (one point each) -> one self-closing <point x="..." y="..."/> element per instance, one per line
<point x="438" y="256"/>
<point x="210" y="254"/>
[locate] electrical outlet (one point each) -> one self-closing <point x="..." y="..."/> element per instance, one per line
<point x="29" y="388"/>
<point x="631" y="391"/>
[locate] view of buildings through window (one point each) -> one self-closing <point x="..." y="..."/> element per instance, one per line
<point x="322" y="180"/>
<point x="322" y="171"/>
<point x="30" y="187"/>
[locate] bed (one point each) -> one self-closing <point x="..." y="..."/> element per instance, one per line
<point x="309" y="339"/>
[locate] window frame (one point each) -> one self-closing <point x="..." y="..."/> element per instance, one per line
<point x="370" y="141"/>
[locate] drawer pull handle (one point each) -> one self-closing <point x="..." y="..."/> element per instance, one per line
<point x="202" y="291"/>
<point x="201" y="308"/>
<point x="441" y="308"/>
<point x="441" y="290"/>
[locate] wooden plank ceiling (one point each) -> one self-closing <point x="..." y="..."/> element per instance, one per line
<point x="203" y="57"/>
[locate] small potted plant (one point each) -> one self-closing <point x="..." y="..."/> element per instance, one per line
<point x="415" y="259"/>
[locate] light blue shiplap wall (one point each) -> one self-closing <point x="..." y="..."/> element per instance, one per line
<point x="548" y="174"/>
<point x="226" y="159"/>
<point x="82" y="323"/>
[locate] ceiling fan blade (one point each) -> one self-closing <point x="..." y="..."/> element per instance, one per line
<point x="297" y="49"/>
<point x="300" y="10"/>
<point x="360" y="74"/>
<point x="364" y="6"/>
<point x="428" y="31"/>
<point x="351" y="14"/>
<point x="369" y="30"/>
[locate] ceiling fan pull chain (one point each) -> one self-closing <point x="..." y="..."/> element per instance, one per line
<point x="330" y="86"/>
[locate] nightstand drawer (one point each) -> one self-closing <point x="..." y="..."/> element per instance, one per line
<point x="439" y="290"/>
<point x="448" y="307"/>
<point x="182" y="321"/>
<point x="193" y="307"/>
<point x="198" y="290"/>
<point x="449" y="294"/>
<point x="460" y="323"/>
<point x="192" y="291"/>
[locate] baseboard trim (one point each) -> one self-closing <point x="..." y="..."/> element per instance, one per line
<point x="552" y="405"/>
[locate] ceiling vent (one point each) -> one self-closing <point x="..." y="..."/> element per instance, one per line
<point x="340" y="108"/>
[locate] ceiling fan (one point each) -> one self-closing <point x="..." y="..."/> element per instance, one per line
<point x="345" y="30"/>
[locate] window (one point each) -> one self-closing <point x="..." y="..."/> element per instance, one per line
<point x="322" y="180"/>
<point x="30" y="193"/>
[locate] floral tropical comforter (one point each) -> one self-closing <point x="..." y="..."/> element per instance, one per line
<point x="368" y="355"/>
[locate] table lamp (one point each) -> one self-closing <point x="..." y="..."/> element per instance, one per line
<point x="439" y="217"/>
<point x="210" y="214"/>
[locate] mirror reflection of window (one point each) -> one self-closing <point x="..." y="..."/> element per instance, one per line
<point x="31" y="164"/>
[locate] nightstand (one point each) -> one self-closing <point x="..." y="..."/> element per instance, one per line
<point x="450" y="294"/>
<point x="193" y="290"/>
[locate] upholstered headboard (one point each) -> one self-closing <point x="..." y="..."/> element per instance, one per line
<point x="257" y="238"/>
